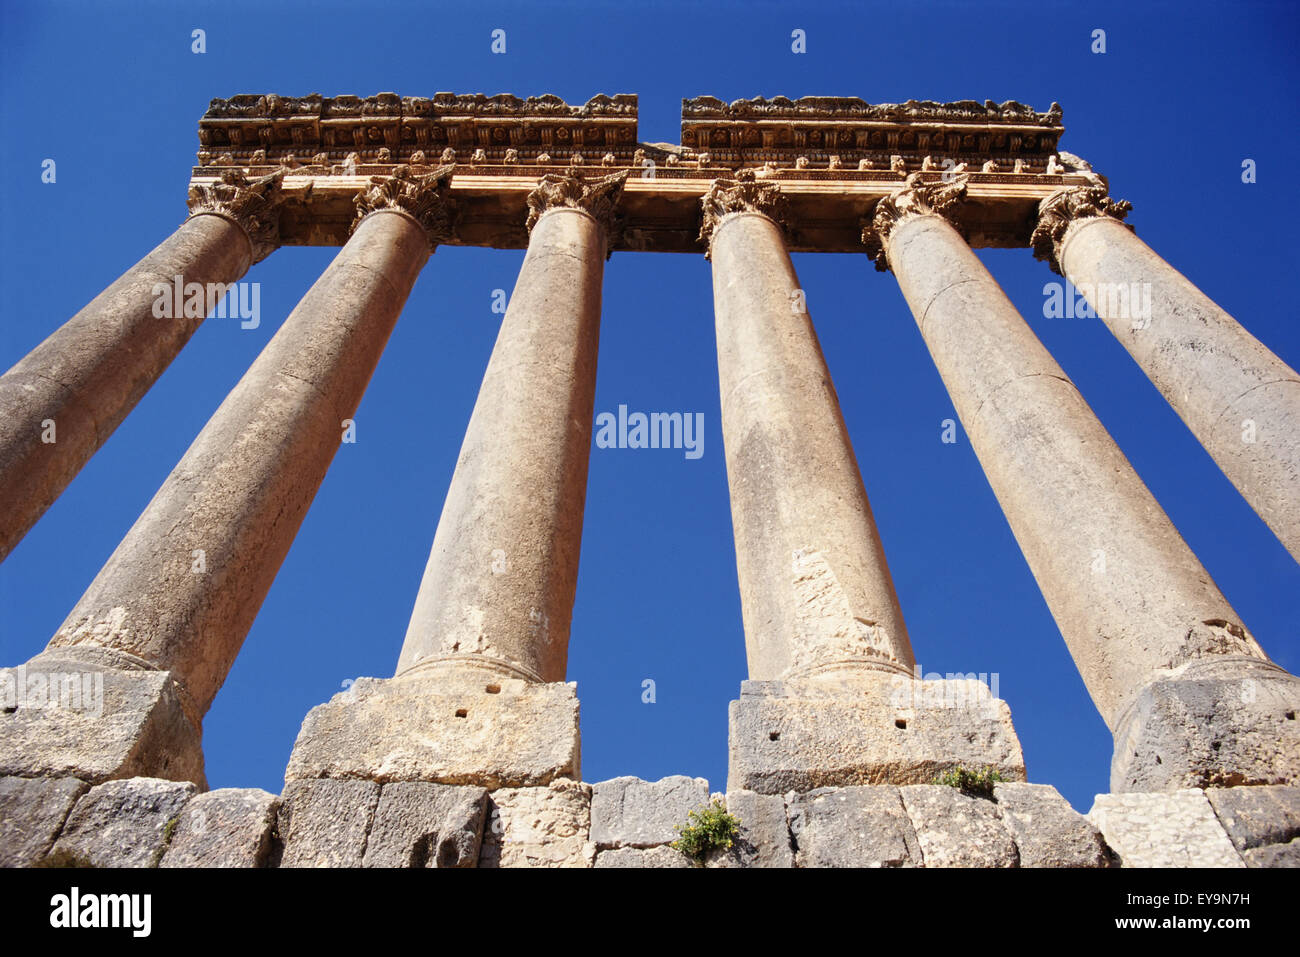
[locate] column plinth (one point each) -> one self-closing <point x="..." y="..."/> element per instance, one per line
<point x="88" y="375"/>
<point x="179" y="593"/>
<point x="483" y="663"/>
<point x="1239" y="399"/>
<point x="830" y="663"/>
<point x="1136" y="608"/>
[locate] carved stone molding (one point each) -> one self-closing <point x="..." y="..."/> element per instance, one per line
<point x="423" y="197"/>
<point x="252" y="204"/>
<point x="916" y="198"/>
<point x="1061" y="209"/>
<point x="744" y="194"/>
<point x="572" y="190"/>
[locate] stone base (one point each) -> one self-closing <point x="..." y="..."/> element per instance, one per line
<point x="72" y="718"/>
<point x="1211" y="724"/>
<point x="444" y="728"/>
<point x="878" y="728"/>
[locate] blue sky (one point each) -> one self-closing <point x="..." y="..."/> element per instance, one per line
<point x="1183" y="94"/>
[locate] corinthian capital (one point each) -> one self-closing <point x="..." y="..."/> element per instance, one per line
<point x="571" y="190"/>
<point x="744" y="194"/>
<point x="1068" y="206"/>
<point x="422" y="197"/>
<point x="252" y="204"/>
<point x="916" y="198"/>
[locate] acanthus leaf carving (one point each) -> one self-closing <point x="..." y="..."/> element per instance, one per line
<point x="1067" y="206"/>
<point x="423" y="197"/>
<point x="916" y="198"/>
<point x="746" y="193"/>
<point x="251" y="203"/>
<point x="572" y="190"/>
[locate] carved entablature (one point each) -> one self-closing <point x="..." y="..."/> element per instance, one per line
<point x="1060" y="210"/>
<point x="251" y="202"/>
<point x="848" y="133"/>
<point x="421" y="195"/>
<point x="386" y="128"/>
<point x="916" y="198"/>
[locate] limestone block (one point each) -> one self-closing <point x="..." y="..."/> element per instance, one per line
<point x="230" y="827"/>
<point x="764" y="832"/>
<point x="539" y="827"/>
<point x="1274" y="855"/>
<point x="1216" y="724"/>
<point x="125" y="823"/>
<point x="852" y="827"/>
<point x="32" y="810"/>
<point x="956" y="829"/>
<point x="66" y="718"/>
<point x="1047" y="831"/>
<point x="660" y="856"/>
<point x="629" y="812"/>
<point x="489" y="732"/>
<point x="1173" y="829"/>
<point x="324" y="823"/>
<point x="798" y="736"/>
<point x="1256" y="816"/>
<point x="426" y="825"/>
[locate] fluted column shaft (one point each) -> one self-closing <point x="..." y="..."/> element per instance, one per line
<point x="1239" y="399"/>
<point x="498" y="588"/>
<point x="1130" y="598"/>
<point x="63" y="400"/>
<point x="816" y="593"/>
<point x="182" y="589"/>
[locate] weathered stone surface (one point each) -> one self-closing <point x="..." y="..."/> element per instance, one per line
<point x="660" y="856"/>
<point x="539" y="827"/>
<point x="489" y="731"/>
<point x="1174" y="829"/>
<point x="324" y="823"/>
<point x="1256" y="816"/>
<point x="852" y="827"/>
<point x="121" y="724"/>
<point x="764" y="832"/>
<point x="1274" y="855"/>
<point x="629" y="812"/>
<point x="956" y="829"/>
<point x="1047" y="831"/>
<point x="1214" y="373"/>
<point x="90" y="373"/>
<point x="426" y="825"/>
<point x="1130" y="598"/>
<point x="230" y="827"/>
<point x="1213" y="723"/>
<point x="124" y="823"/>
<point x="32" y="810"/>
<point x="874" y="729"/>
<point x="503" y="569"/>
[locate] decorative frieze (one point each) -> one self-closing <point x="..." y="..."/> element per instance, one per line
<point x="1066" y="206"/>
<point x="251" y="202"/>
<point x="917" y="198"/>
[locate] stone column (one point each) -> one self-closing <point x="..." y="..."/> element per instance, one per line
<point x="1240" y="400"/>
<point x="481" y="673"/>
<point x="829" y="658"/>
<point x="63" y="400"/>
<point x="1191" y="698"/>
<point x="166" y="616"/>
